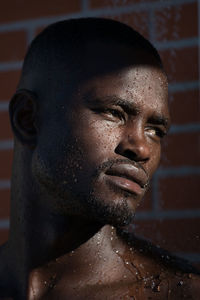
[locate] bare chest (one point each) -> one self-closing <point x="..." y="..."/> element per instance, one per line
<point x="149" y="289"/>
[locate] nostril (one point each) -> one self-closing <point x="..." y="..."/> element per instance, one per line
<point x="135" y="147"/>
<point x="130" y="154"/>
<point x="134" y="156"/>
<point x="137" y="154"/>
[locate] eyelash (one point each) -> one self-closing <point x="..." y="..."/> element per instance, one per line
<point x="114" y="112"/>
<point x="159" y="132"/>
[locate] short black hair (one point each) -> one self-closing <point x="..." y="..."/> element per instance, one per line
<point x="61" y="46"/>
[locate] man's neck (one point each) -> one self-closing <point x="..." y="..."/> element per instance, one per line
<point x="99" y="259"/>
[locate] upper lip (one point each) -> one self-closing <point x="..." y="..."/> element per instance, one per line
<point x="129" y="171"/>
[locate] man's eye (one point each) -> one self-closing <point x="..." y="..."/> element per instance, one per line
<point x="156" y="132"/>
<point x="115" y="113"/>
<point x="112" y="113"/>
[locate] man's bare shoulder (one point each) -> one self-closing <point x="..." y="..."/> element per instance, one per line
<point x="165" y="275"/>
<point x="149" y="273"/>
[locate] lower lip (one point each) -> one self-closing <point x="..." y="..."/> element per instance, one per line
<point x="125" y="184"/>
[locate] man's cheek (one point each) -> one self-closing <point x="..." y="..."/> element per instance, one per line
<point x="102" y="137"/>
<point x="154" y="161"/>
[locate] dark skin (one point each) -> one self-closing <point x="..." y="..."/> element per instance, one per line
<point x="85" y="166"/>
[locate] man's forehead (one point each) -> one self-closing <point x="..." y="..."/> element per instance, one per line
<point x="130" y="80"/>
<point x="145" y="76"/>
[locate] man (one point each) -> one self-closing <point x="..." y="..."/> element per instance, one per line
<point x="88" y="118"/>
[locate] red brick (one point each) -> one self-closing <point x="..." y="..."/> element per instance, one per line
<point x="177" y="235"/>
<point x="112" y="3"/>
<point x="181" y="64"/>
<point x="184" y="107"/>
<point x="4" y="204"/>
<point x="178" y="193"/>
<point x="181" y="149"/>
<point x="3" y="235"/>
<point x="138" y="21"/>
<point x="13" y="46"/>
<point x="5" y="163"/>
<point x="5" y="128"/>
<point x="177" y="22"/>
<point x="24" y="10"/>
<point x="8" y="84"/>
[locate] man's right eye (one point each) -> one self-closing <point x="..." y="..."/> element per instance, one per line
<point x="116" y="113"/>
<point x="112" y="114"/>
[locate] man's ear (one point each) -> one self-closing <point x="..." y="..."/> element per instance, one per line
<point x="22" y="109"/>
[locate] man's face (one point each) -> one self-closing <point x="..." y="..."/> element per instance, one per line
<point x="97" y="152"/>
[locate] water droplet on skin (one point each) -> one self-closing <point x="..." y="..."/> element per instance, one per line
<point x="153" y="285"/>
<point x="141" y="265"/>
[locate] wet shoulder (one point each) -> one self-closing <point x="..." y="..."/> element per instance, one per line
<point x="166" y="275"/>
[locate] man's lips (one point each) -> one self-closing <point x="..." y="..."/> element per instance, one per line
<point x="128" y="177"/>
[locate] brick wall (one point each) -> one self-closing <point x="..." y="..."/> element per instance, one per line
<point x="170" y="214"/>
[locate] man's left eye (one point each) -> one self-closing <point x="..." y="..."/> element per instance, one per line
<point x="156" y="132"/>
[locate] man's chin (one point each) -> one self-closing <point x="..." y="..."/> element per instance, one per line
<point x="117" y="215"/>
<point x="119" y="222"/>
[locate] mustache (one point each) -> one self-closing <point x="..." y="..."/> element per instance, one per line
<point x="109" y="163"/>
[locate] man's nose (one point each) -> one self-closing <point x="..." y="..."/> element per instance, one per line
<point x="134" y="145"/>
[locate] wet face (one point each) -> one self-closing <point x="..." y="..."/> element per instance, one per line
<point x="97" y="153"/>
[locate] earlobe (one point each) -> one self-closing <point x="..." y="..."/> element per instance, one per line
<point x="22" y="109"/>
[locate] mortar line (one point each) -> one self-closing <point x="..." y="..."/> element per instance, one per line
<point x="37" y="22"/>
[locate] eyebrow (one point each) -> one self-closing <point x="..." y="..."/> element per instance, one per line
<point x="128" y="107"/>
<point x="115" y="100"/>
<point x="160" y="120"/>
